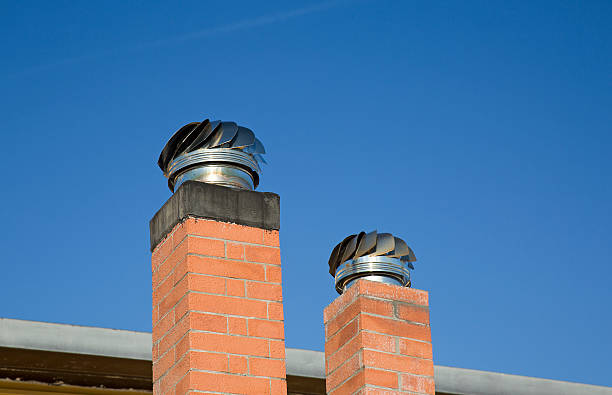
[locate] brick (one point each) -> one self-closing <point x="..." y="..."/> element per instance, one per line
<point x="208" y="284"/>
<point x="378" y="342"/>
<point x="228" y="305"/>
<point x="161" y="252"/>
<point x="333" y="343"/>
<point x="392" y="292"/>
<point x="343" y="372"/>
<point x="339" y="304"/>
<point x="237" y="326"/>
<point x="155" y="316"/>
<point x="179" y="233"/>
<point x="215" y="342"/>
<point x="162" y="290"/>
<point x="181" y="387"/>
<point x="381" y="378"/>
<point x="234" y="251"/>
<point x="267" y="367"/>
<point x="415" y="348"/>
<point x="178" y="253"/>
<point x="208" y="322"/>
<point x="175" y="374"/>
<point x="208" y="361"/>
<point x="337" y="358"/>
<point x="235" y="287"/>
<point x="271" y="238"/>
<point x="181" y="308"/>
<point x="162" y="365"/>
<point x="163" y="326"/>
<point x="375" y="306"/>
<point x="275" y="311"/>
<point x="208" y="247"/>
<point x="222" y="230"/>
<point x="264" y="291"/>
<point x="205" y="381"/>
<point x="182" y="347"/>
<point x="167" y="286"/>
<point x="380" y="391"/>
<point x="173" y="297"/>
<point x="419" y="384"/>
<point x="169" y="339"/>
<point x="279" y="387"/>
<point x="155" y="352"/>
<point x="238" y="364"/>
<point x="395" y="328"/>
<point x="269" y="255"/>
<point x="359" y="305"/>
<point x="179" y="271"/>
<point x="277" y="349"/>
<point x="412" y="313"/>
<point x="267" y="329"/>
<point x="225" y="268"/>
<point x="348" y="387"/>
<point x="344" y="314"/>
<point x="273" y="274"/>
<point x="398" y="363"/>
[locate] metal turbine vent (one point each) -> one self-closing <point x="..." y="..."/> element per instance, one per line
<point x="375" y="256"/>
<point x="217" y="152"/>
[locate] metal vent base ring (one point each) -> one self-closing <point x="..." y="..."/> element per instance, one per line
<point x="221" y="166"/>
<point x="375" y="268"/>
<point x="223" y="174"/>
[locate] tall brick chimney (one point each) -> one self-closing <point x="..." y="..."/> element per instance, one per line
<point x="217" y="299"/>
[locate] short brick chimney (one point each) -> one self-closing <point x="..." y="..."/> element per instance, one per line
<point x="217" y="299"/>
<point x="378" y="341"/>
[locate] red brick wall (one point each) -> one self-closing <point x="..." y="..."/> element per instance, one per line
<point x="378" y="341"/>
<point x="218" y="310"/>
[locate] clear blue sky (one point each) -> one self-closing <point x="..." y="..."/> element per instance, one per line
<point x="478" y="131"/>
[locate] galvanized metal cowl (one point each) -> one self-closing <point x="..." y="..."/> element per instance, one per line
<point x="217" y="152"/>
<point x="373" y="256"/>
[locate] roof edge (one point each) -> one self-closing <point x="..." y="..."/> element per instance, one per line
<point x="42" y="336"/>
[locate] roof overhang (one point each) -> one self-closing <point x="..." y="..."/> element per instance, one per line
<point x="93" y="357"/>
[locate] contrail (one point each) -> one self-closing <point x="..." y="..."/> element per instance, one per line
<point x="249" y="23"/>
<point x="240" y="25"/>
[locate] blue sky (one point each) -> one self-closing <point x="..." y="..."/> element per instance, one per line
<point x="478" y="131"/>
